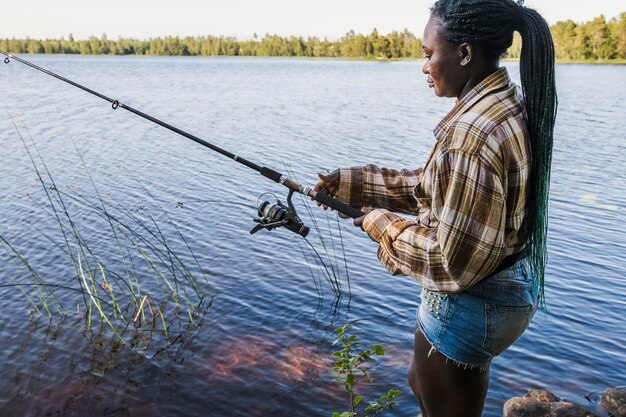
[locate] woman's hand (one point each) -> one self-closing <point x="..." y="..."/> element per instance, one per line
<point x="328" y="185"/>
<point x="359" y="221"/>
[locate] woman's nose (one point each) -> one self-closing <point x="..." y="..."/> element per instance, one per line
<point x="425" y="68"/>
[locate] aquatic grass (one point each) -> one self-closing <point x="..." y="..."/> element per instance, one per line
<point x="164" y="254"/>
<point x="128" y="232"/>
<point x="41" y="285"/>
<point x="112" y="227"/>
<point x="24" y="292"/>
<point x="50" y="200"/>
<point x="327" y="256"/>
<point x="124" y="229"/>
<point x="166" y="257"/>
<point x="175" y="263"/>
<point x="94" y="300"/>
<point x="118" y="301"/>
<point x="308" y="264"/>
<point x="81" y="254"/>
<point x="329" y="265"/>
<point x="178" y="232"/>
<point x="343" y="255"/>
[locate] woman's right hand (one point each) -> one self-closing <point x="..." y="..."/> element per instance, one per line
<point x="328" y="184"/>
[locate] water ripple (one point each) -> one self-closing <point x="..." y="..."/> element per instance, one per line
<point x="267" y="337"/>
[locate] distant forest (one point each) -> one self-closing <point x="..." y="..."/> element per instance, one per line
<point x="596" y="40"/>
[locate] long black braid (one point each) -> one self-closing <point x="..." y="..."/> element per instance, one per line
<point x="490" y="24"/>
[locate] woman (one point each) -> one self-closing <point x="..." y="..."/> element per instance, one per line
<point x="477" y="244"/>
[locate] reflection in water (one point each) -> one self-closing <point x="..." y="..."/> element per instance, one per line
<point x="290" y="363"/>
<point x="268" y="353"/>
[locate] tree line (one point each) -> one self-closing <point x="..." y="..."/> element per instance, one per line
<point x="352" y="45"/>
<point x="596" y="40"/>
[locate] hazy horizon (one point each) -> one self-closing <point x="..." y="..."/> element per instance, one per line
<point x="142" y="19"/>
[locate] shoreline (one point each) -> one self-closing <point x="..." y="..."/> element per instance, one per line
<point x="383" y="60"/>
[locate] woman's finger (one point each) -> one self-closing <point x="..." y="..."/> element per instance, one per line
<point x="358" y="222"/>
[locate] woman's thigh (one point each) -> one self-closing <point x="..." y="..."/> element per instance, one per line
<point x="445" y="388"/>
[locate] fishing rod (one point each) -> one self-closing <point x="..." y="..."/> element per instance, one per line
<point x="270" y="216"/>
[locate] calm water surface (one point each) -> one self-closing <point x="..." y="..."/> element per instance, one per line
<point x="262" y="346"/>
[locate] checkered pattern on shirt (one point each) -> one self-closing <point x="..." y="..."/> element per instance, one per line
<point x="469" y="199"/>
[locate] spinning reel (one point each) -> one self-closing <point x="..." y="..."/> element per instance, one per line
<point x="279" y="215"/>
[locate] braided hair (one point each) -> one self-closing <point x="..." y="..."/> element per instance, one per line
<point x="490" y="24"/>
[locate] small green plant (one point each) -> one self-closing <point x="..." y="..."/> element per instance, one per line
<point x="350" y="365"/>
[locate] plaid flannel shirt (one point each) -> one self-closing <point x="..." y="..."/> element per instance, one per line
<point x="468" y="201"/>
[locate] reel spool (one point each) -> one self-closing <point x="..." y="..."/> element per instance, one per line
<point x="280" y="215"/>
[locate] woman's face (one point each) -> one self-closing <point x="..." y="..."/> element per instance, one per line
<point x="443" y="62"/>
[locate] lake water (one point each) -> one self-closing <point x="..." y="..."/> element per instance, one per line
<point x="262" y="345"/>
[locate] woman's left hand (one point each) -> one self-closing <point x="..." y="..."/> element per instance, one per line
<point x="359" y="221"/>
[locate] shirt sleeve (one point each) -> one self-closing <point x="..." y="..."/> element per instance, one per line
<point x="369" y="187"/>
<point x="468" y="243"/>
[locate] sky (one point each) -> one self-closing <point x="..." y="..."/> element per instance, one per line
<point x="143" y="19"/>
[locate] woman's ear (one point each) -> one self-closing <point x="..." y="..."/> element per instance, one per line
<point x="466" y="53"/>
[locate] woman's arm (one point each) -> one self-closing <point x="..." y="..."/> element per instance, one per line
<point x="469" y="202"/>
<point x="370" y="187"/>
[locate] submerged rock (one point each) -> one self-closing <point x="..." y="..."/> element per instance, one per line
<point x="526" y="407"/>
<point x="542" y="403"/>
<point x="542" y="395"/>
<point x="614" y="401"/>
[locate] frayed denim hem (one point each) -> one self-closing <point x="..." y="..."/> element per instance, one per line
<point x="468" y="366"/>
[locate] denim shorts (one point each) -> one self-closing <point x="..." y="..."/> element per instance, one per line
<point x="473" y="326"/>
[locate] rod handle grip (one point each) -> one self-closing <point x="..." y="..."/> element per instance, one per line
<point x="338" y="205"/>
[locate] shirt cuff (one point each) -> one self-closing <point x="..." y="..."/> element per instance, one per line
<point x="375" y="223"/>
<point x="351" y="186"/>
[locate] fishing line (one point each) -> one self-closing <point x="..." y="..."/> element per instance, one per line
<point x="271" y="216"/>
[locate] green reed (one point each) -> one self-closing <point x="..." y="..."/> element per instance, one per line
<point x="325" y="255"/>
<point x="108" y="278"/>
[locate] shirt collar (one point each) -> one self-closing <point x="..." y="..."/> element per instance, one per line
<point x="496" y="81"/>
